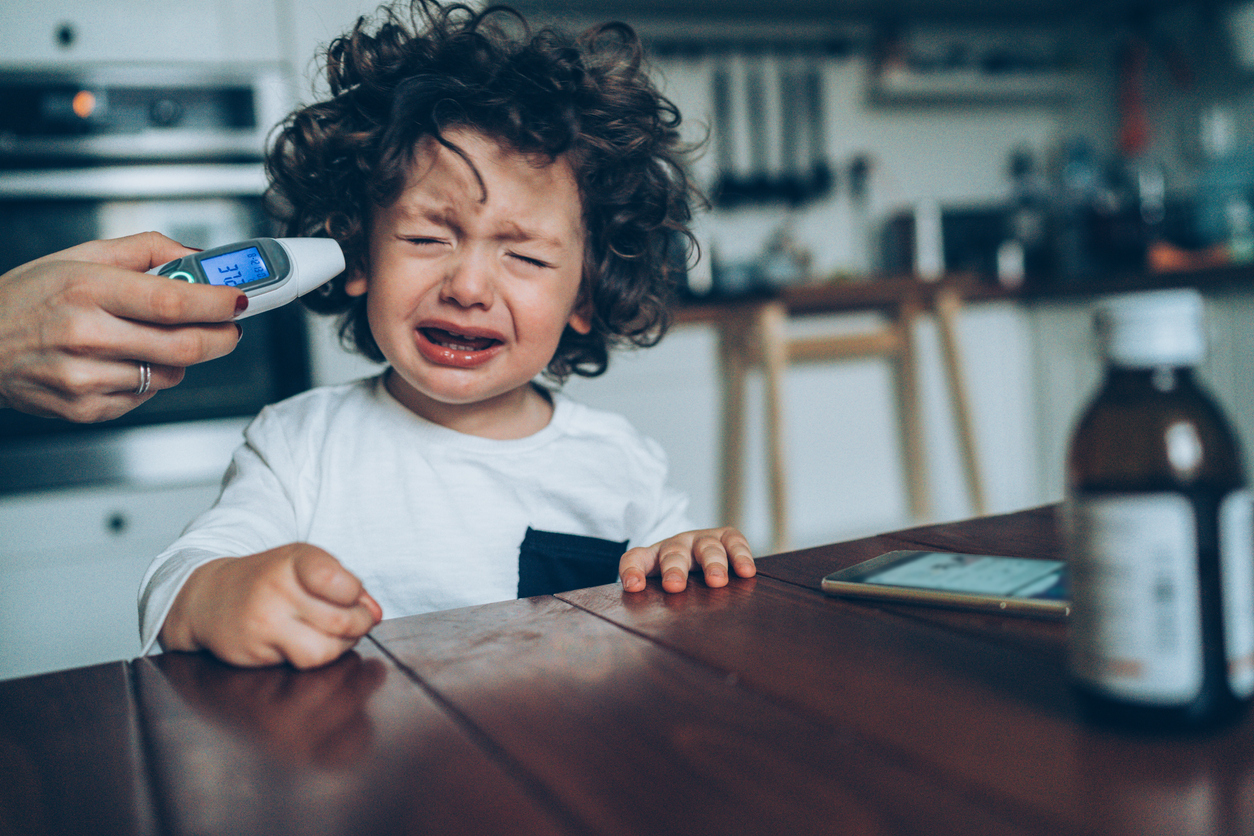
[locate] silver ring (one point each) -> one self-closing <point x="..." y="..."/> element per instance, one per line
<point x="145" y="377"/>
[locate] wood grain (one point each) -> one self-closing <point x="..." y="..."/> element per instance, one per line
<point x="977" y="713"/>
<point x="70" y="755"/>
<point x="634" y="738"/>
<point x="353" y="747"/>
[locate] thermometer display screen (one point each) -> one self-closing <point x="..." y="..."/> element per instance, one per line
<point x="237" y="268"/>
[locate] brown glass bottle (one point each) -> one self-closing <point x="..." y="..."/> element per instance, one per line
<point x="1159" y="531"/>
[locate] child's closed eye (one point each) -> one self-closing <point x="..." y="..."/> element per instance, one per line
<point x="531" y="261"/>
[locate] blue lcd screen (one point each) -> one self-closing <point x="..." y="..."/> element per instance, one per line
<point x="236" y="268"/>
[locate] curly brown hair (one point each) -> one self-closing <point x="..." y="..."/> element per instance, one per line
<point x="586" y="99"/>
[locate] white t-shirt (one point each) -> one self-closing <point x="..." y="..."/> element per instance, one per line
<point x="427" y="518"/>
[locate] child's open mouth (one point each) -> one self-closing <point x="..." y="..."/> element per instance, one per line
<point x="457" y="342"/>
<point x="457" y="350"/>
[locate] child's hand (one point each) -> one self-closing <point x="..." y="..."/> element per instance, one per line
<point x="712" y="549"/>
<point x="293" y="604"/>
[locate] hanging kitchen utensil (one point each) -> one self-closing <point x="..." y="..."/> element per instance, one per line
<point x="758" y="188"/>
<point x="727" y="188"/>
<point x="791" y="185"/>
<point x="822" y="178"/>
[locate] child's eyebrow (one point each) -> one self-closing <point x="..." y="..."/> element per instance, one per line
<point x="516" y="232"/>
<point x="436" y="213"/>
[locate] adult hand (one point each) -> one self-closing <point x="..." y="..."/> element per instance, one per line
<point x="76" y="325"/>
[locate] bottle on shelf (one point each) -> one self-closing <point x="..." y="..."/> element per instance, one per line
<point x="1158" y="524"/>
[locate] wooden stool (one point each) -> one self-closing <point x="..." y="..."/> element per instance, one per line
<point x="755" y="334"/>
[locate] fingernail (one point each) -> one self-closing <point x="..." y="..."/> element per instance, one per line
<point x="239" y="331"/>
<point x="241" y="304"/>
<point x="716" y="571"/>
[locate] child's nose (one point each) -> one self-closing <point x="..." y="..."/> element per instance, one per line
<point x="468" y="280"/>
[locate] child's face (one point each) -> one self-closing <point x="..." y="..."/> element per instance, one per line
<point x="468" y="297"/>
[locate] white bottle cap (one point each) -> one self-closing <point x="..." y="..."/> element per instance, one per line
<point x="1155" y="328"/>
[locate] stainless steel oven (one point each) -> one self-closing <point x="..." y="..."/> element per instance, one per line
<point x="98" y="153"/>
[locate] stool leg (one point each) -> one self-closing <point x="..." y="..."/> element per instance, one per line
<point x="909" y="415"/>
<point x="947" y="307"/>
<point x="732" y="362"/>
<point x="773" y="340"/>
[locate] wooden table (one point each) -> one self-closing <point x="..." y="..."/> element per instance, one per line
<point x="763" y="707"/>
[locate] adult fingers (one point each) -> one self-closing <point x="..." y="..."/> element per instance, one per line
<point x="100" y="390"/>
<point x="163" y="301"/>
<point x="106" y="312"/>
<point x="140" y="252"/>
<point x="73" y="377"/>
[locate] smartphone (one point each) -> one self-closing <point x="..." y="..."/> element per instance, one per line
<point x="992" y="583"/>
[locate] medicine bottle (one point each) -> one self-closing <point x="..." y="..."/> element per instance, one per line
<point x="1158" y="527"/>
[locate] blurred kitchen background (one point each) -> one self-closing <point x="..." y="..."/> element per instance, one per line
<point x="1048" y="151"/>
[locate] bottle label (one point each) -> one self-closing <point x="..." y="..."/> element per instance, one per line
<point x="1136" y="620"/>
<point x="1236" y="563"/>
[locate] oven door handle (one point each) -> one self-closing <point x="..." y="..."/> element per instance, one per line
<point x="136" y="182"/>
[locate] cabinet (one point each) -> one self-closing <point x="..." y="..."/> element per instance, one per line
<point x="70" y="566"/>
<point x="61" y="32"/>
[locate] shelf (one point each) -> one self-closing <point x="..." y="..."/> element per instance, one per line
<point x="972" y="86"/>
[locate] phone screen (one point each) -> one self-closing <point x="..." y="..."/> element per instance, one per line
<point x="999" y="583"/>
<point x="1020" y="577"/>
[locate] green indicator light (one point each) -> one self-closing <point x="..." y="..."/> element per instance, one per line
<point x="183" y="276"/>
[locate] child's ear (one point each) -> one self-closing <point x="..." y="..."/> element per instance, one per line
<point x="356" y="284"/>
<point x="581" y="318"/>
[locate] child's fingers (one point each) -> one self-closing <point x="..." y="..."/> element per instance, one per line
<point x="368" y="601"/>
<point x="709" y="552"/>
<point x="675" y="558"/>
<point x="351" y="622"/>
<point x="669" y="558"/>
<point x="739" y="553"/>
<point x="720" y="551"/>
<point x="324" y="577"/>
<point x="635" y="565"/>
<point x="304" y="645"/>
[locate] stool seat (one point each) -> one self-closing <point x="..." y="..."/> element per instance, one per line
<point x="753" y="333"/>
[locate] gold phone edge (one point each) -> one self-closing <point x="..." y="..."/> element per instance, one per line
<point x="1056" y="610"/>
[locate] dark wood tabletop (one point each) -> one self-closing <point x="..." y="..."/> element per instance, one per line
<point x="762" y="707"/>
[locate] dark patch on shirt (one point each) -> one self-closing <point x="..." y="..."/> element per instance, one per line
<point x="550" y="562"/>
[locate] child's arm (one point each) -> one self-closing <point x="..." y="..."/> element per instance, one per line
<point x="293" y="604"/>
<point x="713" y="549"/>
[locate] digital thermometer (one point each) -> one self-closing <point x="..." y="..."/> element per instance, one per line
<point x="271" y="271"/>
